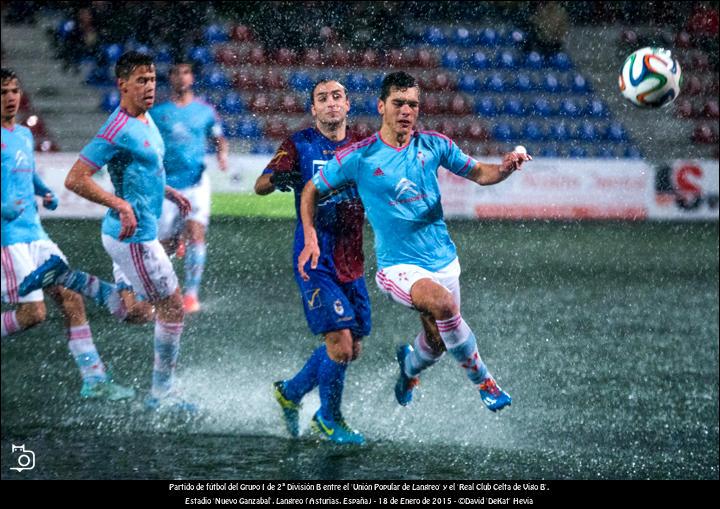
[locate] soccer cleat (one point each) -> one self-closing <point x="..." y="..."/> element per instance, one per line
<point x="290" y="410"/>
<point x="191" y="304"/>
<point x="45" y="275"/>
<point x="493" y="396"/>
<point x="172" y="402"/>
<point x="336" y="431"/>
<point x="405" y="384"/>
<point x="107" y="389"/>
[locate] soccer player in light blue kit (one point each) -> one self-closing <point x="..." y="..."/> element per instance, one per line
<point x="186" y="123"/>
<point x="395" y="172"/>
<point x="25" y="246"/>
<point x="130" y="145"/>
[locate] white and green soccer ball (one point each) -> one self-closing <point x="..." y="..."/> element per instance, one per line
<point x="650" y="78"/>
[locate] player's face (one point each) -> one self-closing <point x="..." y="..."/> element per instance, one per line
<point x="11" y="95"/>
<point x="181" y="78"/>
<point x="139" y="88"/>
<point x="330" y="103"/>
<point x="400" y="109"/>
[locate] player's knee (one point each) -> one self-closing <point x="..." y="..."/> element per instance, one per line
<point x="140" y="312"/>
<point x="339" y="346"/>
<point x="445" y="307"/>
<point x="34" y="314"/>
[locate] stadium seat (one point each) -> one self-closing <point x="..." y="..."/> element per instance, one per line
<point x="479" y="61"/>
<point x="469" y="83"/>
<point x="524" y="83"/>
<point x="246" y="79"/>
<point x="703" y="135"/>
<point x="595" y="108"/>
<point x="312" y="58"/>
<point x="301" y="81"/>
<point x="488" y="37"/>
<point x="548" y="151"/>
<point x="248" y="128"/>
<point x="285" y="57"/>
<point x="587" y="132"/>
<point x="231" y="104"/>
<point x="431" y="105"/>
<point x="64" y="28"/>
<point x="560" y="61"/>
<point x="506" y="60"/>
<point x="459" y="105"/>
<point x="570" y="108"/>
<point x="616" y="132"/>
<point x="434" y="36"/>
<point x="291" y="104"/>
<point x="369" y="58"/>
<point x="514" y="107"/>
<point x="693" y="86"/>
<point x="110" y="101"/>
<point x="495" y="83"/>
<point x="503" y="131"/>
<point x="577" y="152"/>
<point x="515" y="38"/>
<point x="542" y="107"/>
<point x="580" y="85"/>
<point x="451" y="60"/>
<point x="442" y="81"/>
<point x="632" y="152"/>
<point x="274" y="80"/>
<point x="341" y="57"/>
<point x="426" y="59"/>
<point x="559" y="131"/>
<point x="684" y="109"/>
<point x="100" y="76"/>
<point x="604" y="152"/>
<point x="533" y="131"/>
<point x="276" y="129"/>
<point x="257" y="56"/>
<point x="260" y="103"/>
<point x="534" y="60"/>
<point x="215" y="79"/>
<point x="486" y="107"/>
<point x="362" y="129"/>
<point x="357" y="82"/>
<point x="111" y="52"/>
<point x="241" y="33"/>
<point x="476" y="130"/>
<point x="215" y="33"/>
<point x="163" y="55"/>
<point x="552" y="84"/>
<point x="200" y="55"/>
<point x="462" y="37"/>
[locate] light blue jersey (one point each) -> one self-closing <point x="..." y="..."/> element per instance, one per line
<point x="20" y="219"/>
<point x="186" y="130"/>
<point x="133" y="151"/>
<point x="399" y="189"/>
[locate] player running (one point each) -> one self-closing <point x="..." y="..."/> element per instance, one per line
<point x="334" y="295"/>
<point x="26" y="245"/>
<point x="186" y="123"/>
<point x="395" y="172"/>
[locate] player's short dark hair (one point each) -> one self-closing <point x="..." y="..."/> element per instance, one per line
<point x="398" y="80"/>
<point x="131" y="60"/>
<point x="7" y="74"/>
<point x="322" y="81"/>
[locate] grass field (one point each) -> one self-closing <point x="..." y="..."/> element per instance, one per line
<point x="605" y="334"/>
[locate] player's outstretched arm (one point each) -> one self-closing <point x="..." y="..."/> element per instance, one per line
<point x="80" y="182"/>
<point x="311" y="251"/>
<point x="487" y="174"/>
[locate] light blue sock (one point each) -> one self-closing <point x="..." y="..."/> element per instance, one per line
<point x="307" y="378"/>
<point x="167" y="347"/>
<point x="421" y="357"/>
<point x="331" y="379"/>
<point x="194" y="266"/>
<point x="101" y="292"/>
<point x="462" y="345"/>
<point x="86" y="356"/>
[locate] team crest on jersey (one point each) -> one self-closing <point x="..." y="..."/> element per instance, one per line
<point x="339" y="309"/>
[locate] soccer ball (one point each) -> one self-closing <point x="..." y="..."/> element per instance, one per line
<point x="650" y="78"/>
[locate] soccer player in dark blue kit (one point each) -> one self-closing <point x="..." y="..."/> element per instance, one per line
<point x="335" y="297"/>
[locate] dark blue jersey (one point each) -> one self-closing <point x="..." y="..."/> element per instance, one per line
<point x="340" y="215"/>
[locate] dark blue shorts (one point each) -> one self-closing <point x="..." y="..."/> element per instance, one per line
<point x="331" y="305"/>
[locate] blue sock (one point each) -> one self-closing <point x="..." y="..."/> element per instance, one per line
<point x="101" y="292"/>
<point x="194" y="266"/>
<point x="307" y="378"/>
<point x="331" y="378"/>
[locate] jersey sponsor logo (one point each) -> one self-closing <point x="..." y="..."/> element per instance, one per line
<point x="313" y="298"/>
<point x="406" y="191"/>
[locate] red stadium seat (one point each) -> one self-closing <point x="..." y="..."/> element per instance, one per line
<point x="362" y="129"/>
<point x="693" y="86"/>
<point x="260" y="103"/>
<point x="369" y="58"/>
<point x="241" y="33"/>
<point x="312" y="58"/>
<point x="426" y="59"/>
<point x="475" y="130"/>
<point x="684" y="109"/>
<point x="459" y="105"/>
<point x="401" y="59"/>
<point x="341" y="57"/>
<point x="276" y="129"/>
<point x="704" y="134"/>
<point x="246" y="79"/>
<point x="230" y="56"/>
<point x="285" y="57"/>
<point x="291" y="104"/>
<point x="710" y="109"/>
<point x="683" y="40"/>
<point x="699" y="61"/>
<point x="274" y="80"/>
<point x="257" y="56"/>
<point x="431" y="105"/>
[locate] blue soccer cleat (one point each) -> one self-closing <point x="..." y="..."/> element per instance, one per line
<point x="493" y="396"/>
<point x="405" y="384"/>
<point x="45" y="275"/>
<point x="107" y="390"/>
<point x="172" y="402"/>
<point x="290" y="410"/>
<point x="336" y="430"/>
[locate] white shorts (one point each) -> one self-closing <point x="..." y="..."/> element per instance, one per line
<point x="171" y="222"/>
<point x="144" y="265"/>
<point x="18" y="261"/>
<point x="397" y="280"/>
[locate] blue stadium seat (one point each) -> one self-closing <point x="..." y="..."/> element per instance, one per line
<point x="559" y="131"/>
<point x="488" y="37"/>
<point x="370" y="104"/>
<point x="549" y="151"/>
<point x="110" y="101"/>
<point x="451" y="60"/>
<point x="514" y="107"/>
<point x="468" y="83"/>
<point x="503" y="131"/>
<point x="215" y="79"/>
<point x="263" y="147"/>
<point x="486" y="107"/>
<point x="524" y="83"/>
<point x="587" y="132"/>
<point x="495" y="83"/>
<point x="616" y="132"/>
<point x="479" y="61"/>
<point x="595" y="108"/>
<point x="215" y="33"/>
<point x="542" y="107"/>
<point x="462" y="37"/>
<point x="301" y="81"/>
<point x="515" y="38"/>
<point x="163" y="55"/>
<point x="534" y="60"/>
<point x="632" y="152"/>
<point x="577" y="152"/>
<point x="604" y="152"/>
<point x="356" y="82"/>
<point x="111" y="52"/>
<point x="533" y="131"/>
<point x="552" y="84"/>
<point x="580" y="85"/>
<point x="570" y="108"/>
<point x="232" y="104"/>
<point x="434" y="36"/>
<point x="200" y="55"/>
<point x="65" y="28"/>
<point x="506" y="60"/>
<point x="100" y="76"/>
<point x="248" y="128"/>
<point x="560" y="61"/>
<point x="376" y="82"/>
